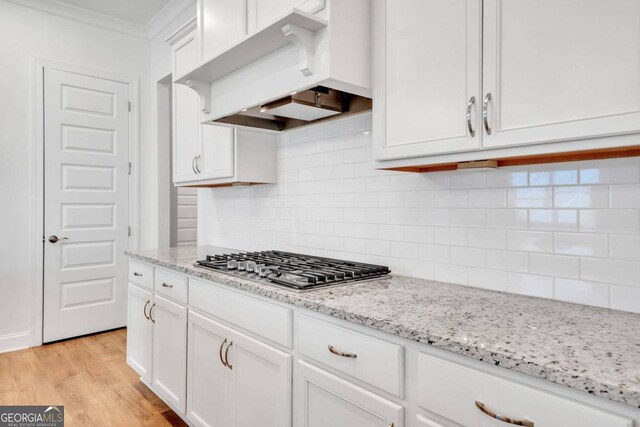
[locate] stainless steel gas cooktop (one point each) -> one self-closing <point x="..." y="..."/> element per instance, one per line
<point x="295" y="271"/>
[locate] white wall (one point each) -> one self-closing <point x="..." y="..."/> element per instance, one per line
<point x="567" y="231"/>
<point x="25" y="33"/>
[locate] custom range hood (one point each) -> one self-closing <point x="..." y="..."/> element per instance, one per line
<point x="302" y="68"/>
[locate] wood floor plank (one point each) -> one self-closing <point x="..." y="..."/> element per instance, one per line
<point x="90" y="377"/>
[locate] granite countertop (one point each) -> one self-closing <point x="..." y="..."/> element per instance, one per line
<point x="586" y="348"/>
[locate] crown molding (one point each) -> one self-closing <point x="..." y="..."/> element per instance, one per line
<point x="166" y="15"/>
<point x="85" y="16"/>
<point x="185" y="29"/>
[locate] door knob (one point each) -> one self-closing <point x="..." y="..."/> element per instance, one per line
<point x="54" y="239"/>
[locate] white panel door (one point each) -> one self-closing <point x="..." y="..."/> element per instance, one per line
<point x="427" y="77"/>
<point x="561" y="69"/>
<point x="218" y="154"/>
<point x="170" y="351"/>
<point x="327" y="400"/>
<point x="262" y="383"/>
<point x="86" y="143"/>
<point x="211" y="393"/>
<point x="263" y="12"/>
<point x="139" y="331"/>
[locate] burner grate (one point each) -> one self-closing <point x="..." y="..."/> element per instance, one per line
<point x="297" y="271"/>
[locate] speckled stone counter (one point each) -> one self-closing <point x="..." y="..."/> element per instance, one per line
<point x="586" y="348"/>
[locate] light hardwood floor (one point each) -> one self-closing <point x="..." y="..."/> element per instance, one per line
<point x="89" y="376"/>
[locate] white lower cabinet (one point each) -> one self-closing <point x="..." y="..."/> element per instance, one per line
<point x="471" y="397"/>
<point x="235" y="380"/>
<point x="324" y="399"/>
<point x="215" y="375"/>
<point x="139" y="331"/>
<point x="170" y="351"/>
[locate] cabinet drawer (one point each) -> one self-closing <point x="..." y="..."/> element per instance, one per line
<point x="369" y="359"/>
<point x="172" y="285"/>
<point x="255" y="315"/>
<point x="451" y="390"/>
<point x="141" y="274"/>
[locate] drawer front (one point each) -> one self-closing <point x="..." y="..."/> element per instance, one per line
<point x="141" y="274"/>
<point x="369" y="359"/>
<point x="451" y="390"/>
<point x="255" y="315"/>
<point x="172" y="285"/>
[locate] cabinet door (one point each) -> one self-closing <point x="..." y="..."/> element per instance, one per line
<point x="139" y="331"/>
<point x="217" y="152"/>
<point x="170" y="351"/>
<point x="211" y="387"/>
<point x="327" y="400"/>
<point x="262" y="383"/>
<point x="263" y="12"/>
<point x="186" y="128"/>
<point x="561" y="69"/>
<point x="221" y="23"/>
<point x="427" y="75"/>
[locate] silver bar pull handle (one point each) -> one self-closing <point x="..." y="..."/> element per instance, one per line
<point x="193" y="165"/>
<point x="472" y="101"/>
<point x="513" y="421"/>
<point x="151" y="312"/>
<point x="342" y="354"/>
<point x="167" y="285"/>
<point x="198" y="158"/>
<point x="145" y="310"/>
<point x="220" y="352"/>
<point x="226" y="355"/>
<point x="485" y="117"/>
<point x="135" y="273"/>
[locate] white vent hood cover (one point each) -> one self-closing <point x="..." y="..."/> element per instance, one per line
<point x="295" y="52"/>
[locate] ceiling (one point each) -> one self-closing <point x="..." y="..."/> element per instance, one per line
<point x="135" y="11"/>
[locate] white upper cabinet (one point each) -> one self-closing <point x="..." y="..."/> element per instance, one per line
<point x="561" y="69"/>
<point x="464" y="80"/>
<point x="210" y="155"/>
<point x="221" y="24"/>
<point x="186" y="138"/>
<point x="427" y="75"/>
<point x="263" y="12"/>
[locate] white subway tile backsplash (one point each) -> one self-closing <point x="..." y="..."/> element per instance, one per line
<point x="581" y="292"/>
<point x="554" y="265"/>
<point x="487" y="198"/>
<point x="610" y="220"/>
<point x="485" y="238"/>
<point x="495" y="280"/>
<point x="625" y="196"/>
<point x="611" y="271"/>
<point x="568" y="231"/>
<point x="553" y="219"/>
<point x="625" y="298"/>
<point x="625" y="246"/>
<point x="507" y="218"/>
<point x="470" y="257"/>
<point x="529" y="284"/>
<point x="586" y="196"/>
<point x="530" y="241"/>
<point x="508" y="261"/>
<point x="595" y="245"/>
<point x="530" y="197"/>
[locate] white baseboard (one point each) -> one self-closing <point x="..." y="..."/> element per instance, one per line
<point x="16" y="341"/>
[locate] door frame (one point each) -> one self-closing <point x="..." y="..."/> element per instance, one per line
<point x="37" y="67"/>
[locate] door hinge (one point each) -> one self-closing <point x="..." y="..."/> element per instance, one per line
<point x="129" y="105"/>
<point x="129" y="231"/>
<point x="129" y="168"/>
